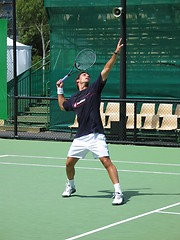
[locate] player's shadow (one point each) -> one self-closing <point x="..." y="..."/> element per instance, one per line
<point x="128" y="194"/>
<point x="108" y="194"/>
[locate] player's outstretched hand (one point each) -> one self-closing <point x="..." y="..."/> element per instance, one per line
<point x="119" y="46"/>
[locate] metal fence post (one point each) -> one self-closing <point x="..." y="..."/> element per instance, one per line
<point x="122" y="135"/>
<point x="14" y="69"/>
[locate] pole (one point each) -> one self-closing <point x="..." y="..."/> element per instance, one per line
<point x="14" y="69"/>
<point x="122" y="134"/>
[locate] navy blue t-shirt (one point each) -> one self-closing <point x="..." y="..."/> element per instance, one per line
<point x="86" y="104"/>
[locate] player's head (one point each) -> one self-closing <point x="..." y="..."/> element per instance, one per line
<point x="82" y="78"/>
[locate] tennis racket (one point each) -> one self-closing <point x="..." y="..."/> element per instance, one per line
<point x="83" y="61"/>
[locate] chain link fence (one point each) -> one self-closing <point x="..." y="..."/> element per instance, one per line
<point x="147" y="122"/>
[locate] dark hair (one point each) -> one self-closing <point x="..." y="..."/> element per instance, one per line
<point x="78" y="76"/>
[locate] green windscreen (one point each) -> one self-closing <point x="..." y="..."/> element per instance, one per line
<point x="153" y="49"/>
<point x="3" y="69"/>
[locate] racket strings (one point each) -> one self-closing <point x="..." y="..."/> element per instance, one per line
<point x="85" y="59"/>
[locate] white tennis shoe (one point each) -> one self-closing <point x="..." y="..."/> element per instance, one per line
<point x="118" y="199"/>
<point x="68" y="190"/>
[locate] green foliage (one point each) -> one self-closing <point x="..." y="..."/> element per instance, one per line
<point x="36" y="59"/>
<point x="31" y="21"/>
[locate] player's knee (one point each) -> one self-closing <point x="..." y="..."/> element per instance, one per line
<point x="106" y="162"/>
<point x="70" y="163"/>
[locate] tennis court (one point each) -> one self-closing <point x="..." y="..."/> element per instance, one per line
<point x="32" y="178"/>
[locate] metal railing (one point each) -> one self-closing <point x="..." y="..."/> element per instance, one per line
<point x="32" y="82"/>
<point x="134" y="131"/>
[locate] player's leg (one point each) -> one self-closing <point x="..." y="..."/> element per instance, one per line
<point x="99" y="148"/>
<point x="111" y="169"/>
<point x="70" y="167"/>
<point x="113" y="174"/>
<point x="70" y="171"/>
<point x="77" y="151"/>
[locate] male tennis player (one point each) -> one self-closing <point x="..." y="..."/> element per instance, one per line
<point x="90" y="135"/>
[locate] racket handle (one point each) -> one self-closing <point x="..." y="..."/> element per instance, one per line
<point x="64" y="78"/>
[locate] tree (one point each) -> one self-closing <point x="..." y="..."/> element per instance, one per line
<point x="32" y="27"/>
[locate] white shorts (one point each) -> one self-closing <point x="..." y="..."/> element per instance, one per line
<point x="94" y="142"/>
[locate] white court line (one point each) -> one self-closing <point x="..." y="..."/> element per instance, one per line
<point x="86" y="168"/>
<point x="149" y="172"/>
<point x="31" y="165"/>
<point x="1" y="156"/>
<point x="151" y="163"/>
<point x="175" y="213"/>
<point x="94" y="160"/>
<point x="122" y="221"/>
<point x="38" y="157"/>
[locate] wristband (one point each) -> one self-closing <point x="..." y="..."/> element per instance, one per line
<point x="60" y="91"/>
<point x="115" y="53"/>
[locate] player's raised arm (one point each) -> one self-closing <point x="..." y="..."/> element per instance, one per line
<point x="110" y="63"/>
<point x="60" y="92"/>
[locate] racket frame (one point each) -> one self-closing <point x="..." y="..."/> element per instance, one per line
<point x="74" y="65"/>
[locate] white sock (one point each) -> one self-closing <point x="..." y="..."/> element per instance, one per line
<point x="117" y="188"/>
<point x="71" y="182"/>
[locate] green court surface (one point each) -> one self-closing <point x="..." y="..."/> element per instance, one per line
<point x="32" y="178"/>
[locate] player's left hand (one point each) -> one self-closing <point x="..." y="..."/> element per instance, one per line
<point x="119" y="46"/>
